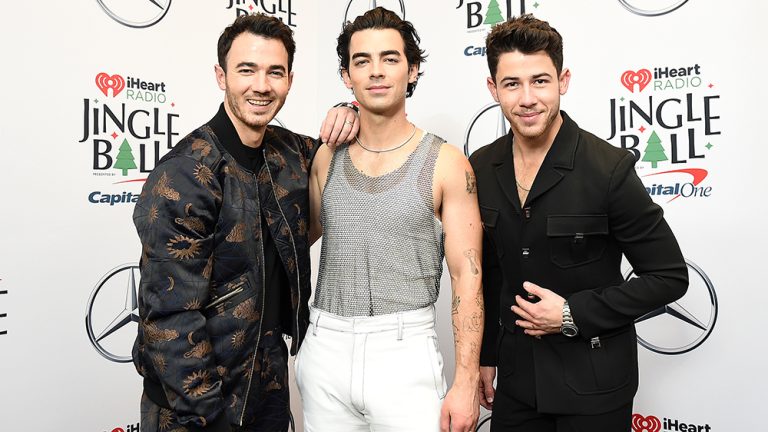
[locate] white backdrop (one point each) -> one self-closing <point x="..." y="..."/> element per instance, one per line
<point x="68" y="186"/>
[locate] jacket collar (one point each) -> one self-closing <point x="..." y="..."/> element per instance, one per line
<point x="559" y="157"/>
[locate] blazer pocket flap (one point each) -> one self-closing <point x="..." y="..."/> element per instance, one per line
<point x="490" y="216"/>
<point x="571" y="225"/>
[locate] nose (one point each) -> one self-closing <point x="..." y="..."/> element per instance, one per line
<point x="528" y="97"/>
<point x="377" y="69"/>
<point x="260" y="83"/>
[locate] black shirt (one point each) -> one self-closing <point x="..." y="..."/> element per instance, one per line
<point x="276" y="305"/>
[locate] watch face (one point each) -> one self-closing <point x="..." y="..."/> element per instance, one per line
<point x="136" y="14"/>
<point x="569" y="330"/>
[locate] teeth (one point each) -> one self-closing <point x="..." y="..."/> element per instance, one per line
<point x="259" y="102"/>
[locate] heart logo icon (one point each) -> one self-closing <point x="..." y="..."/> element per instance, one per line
<point x="641" y="78"/>
<point x="105" y="82"/>
<point x="645" y="424"/>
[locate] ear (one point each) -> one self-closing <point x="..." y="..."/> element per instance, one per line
<point x="290" y="79"/>
<point x="492" y="88"/>
<point x="345" y="78"/>
<point x="413" y="74"/>
<point x="221" y="77"/>
<point x="564" y="80"/>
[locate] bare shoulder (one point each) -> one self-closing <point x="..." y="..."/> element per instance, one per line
<point x="453" y="167"/>
<point x="322" y="160"/>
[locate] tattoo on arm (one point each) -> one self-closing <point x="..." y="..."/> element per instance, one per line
<point x="471" y="255"/>
<point x="473" y="323"/>
<point x="471" y="182"/>
<point x="455" y="305"/>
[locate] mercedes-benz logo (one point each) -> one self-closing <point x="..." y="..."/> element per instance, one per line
<point x="356" y="8"/>
<point x="680" y="326"/>
<point x="136" y="13"/>
<point x="652" y="8"/>
<point x="113" y="305"/>
<point x="487" y="125"/>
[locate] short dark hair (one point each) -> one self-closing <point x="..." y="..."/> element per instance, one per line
<point x="258" y="24"/>
<point x="526" y="34"/>
<point x="381" y="19"/>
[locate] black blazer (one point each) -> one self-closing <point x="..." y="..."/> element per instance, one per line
<point x="585" y="209"/>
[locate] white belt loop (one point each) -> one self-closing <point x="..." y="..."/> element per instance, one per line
<point x="314" y="327"/>
<point x="399" y="326"/>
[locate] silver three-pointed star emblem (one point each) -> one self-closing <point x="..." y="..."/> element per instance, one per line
<point x="112" y="306"/>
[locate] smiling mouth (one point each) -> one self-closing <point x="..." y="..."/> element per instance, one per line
<point x="258" y="103"/>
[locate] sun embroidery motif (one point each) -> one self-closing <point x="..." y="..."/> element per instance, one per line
<point x="183" y="247"/>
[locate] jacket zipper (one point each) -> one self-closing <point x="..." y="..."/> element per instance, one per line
<point x="293" y="245"/>
<point x="263" y="293"/>
<point x="224" y="298"/>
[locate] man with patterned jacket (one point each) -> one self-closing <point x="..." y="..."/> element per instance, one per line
<point x="225" y="268"/>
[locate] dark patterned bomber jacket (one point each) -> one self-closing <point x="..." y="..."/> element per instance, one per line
<point x="201" y="296"/>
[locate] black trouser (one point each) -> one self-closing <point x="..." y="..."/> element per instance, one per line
<point x="515" y="410"/>
<point x="268" y="408"/>
<point x="511" y="415"/>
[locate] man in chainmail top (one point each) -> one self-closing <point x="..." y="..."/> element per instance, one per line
<point x="390" y="206"/>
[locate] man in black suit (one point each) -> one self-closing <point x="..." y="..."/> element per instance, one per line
<point x="560" y="207"/>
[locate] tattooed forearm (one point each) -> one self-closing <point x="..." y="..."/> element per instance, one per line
<point x="471" y="182"/>
<point x="471" y="255"/>
<point x="473" y="323"/>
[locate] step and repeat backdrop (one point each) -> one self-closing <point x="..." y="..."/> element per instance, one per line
<point x="96" y="91"/>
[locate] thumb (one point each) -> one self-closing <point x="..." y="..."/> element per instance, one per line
<point x="532" y="288"/>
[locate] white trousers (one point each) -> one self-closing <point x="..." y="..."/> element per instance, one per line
<point x="381" y="373"/>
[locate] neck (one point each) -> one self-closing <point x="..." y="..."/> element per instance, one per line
<point x="381" y="132"/>
<point x="251" y="137"/>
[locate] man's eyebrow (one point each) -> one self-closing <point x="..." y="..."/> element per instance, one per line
<point x="390" y="52"/>
<point x="361" y="54"/>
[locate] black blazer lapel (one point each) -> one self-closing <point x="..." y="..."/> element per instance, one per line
<point x="505" y="173"/>
<point x="559" y="157"/>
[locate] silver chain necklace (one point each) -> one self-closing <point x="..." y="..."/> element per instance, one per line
<point x="389" y="149"/>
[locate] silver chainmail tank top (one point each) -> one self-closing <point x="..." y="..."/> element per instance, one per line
<point x="382" y="248"/>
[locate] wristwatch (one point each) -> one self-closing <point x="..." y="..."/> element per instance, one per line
<point x="568" y="328"/>
<point x="350" y="105"/>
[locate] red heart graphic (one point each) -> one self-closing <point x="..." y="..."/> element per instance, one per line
<point x="645" y="424"/>
<point x="630" y="78"/>
<point x="105" y="82"/>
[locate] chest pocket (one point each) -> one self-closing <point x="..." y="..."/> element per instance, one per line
<point x="576" y="240"/>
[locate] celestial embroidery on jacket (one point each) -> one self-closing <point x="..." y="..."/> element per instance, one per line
<point x="198" y="384"/>
<point x="191" y="223"/>
<point x="203" y="174"/>
<point x="165" y="418"/>
<point x="204" y="147"/>
<point x="164" y="189"/>
<point x="183" y="247"/>
<point x="246" y="311"/>
<point x="235" y="171"/>
<point x="153" y="213"/>
<point x="155" y="334"/>
<point x="193" y="304"/>
<point x="237" y="234"/>
<point x="208" y="268"/>
<point x="159" y="362"/>
<point x="199" y="351"/>
<point x="238" y="339"/>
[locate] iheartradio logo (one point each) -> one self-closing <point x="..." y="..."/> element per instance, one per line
<point x="105" y="82"/>
<point x="631" y="78"/>
<point x="645" y="424"/>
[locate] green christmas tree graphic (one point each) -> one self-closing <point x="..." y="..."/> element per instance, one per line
<point x="493" y="15"/>
<point x="125" y="158"/>
<point x="654" y="152"/>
